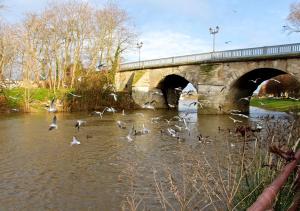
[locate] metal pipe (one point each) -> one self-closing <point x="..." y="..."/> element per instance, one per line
<point x="266" y="199"/>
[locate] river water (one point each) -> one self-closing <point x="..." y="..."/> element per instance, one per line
<point x="40" y="170"/>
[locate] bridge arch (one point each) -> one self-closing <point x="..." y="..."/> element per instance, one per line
<point x="170" y="86"/>
<point x="245" y="85"/>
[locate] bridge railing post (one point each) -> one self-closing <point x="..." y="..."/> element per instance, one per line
<point x="265" y="50"/>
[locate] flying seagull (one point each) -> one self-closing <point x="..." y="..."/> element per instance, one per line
<point x="53" y="125"/>
<point x="145" y="130"/>
<point x="178" y="89"/>
<point x="75" y="141"/>
<point x="234" y="120"/>
<point x="128" y="137"/>
<point x="272" y="79"/>
<point x="255" y="81"/>
<point x="196" y="103"/>
<point x="74" y="95"/>
<point x="114" y="95"/>
<point x="79" y="123"/>
<point x="157" y="93"/>
<point x="241" y="115"/>
<point x="52" y="107"/>
<point x="121" y="124"/>
<point x="245" y="98"/>
<point x="149" y="105"/>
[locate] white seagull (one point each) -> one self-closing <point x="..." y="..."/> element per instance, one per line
<point x="235" y="120"/>
<point x="74" y="95"/>
<point x="52" y="107"/>
<point x="53" y="125"/>
<point x="121" y="124"/>
<point x="79" y="123"/>
<point x="75" y="141"/>
<point x="114" y="95"/>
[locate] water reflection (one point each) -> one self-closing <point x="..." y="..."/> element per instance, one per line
<point x="40" y="170"/>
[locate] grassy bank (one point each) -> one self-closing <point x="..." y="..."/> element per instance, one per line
<point x="38" y="97"/>
<point x="89" y="99"/>
<point x="284" y="105"/>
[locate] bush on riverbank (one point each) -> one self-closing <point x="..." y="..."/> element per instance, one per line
<point x="95" y="91"/>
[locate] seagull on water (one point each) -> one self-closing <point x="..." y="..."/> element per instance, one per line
<point x="53" y="125"/>
<point x="75" y="141"/>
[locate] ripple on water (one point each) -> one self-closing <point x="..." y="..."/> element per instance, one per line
<point x="40" y="170"/>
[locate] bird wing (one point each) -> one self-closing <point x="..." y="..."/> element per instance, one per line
<point x="52" y="103"/>
<point x="54" y="120"/>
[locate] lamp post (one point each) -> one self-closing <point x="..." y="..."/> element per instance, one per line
<point x="139" y="46"/>
<point x="213" y="32"/>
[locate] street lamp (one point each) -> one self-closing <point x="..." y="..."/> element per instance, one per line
<point x="139" y="46"/>
<point x="213" y="32"/>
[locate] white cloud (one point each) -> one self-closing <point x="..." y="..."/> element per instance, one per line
<point x="161" y="44"/>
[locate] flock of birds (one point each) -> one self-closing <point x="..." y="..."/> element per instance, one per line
<point x="175" y="126"/>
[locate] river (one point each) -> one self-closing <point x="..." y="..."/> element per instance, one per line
<point x="40" y="170"/>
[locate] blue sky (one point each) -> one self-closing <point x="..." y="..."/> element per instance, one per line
<point x="178" y="27"/>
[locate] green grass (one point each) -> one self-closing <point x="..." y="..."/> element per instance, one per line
<point x="15" y="96"/>
<point x="276" y="104"/>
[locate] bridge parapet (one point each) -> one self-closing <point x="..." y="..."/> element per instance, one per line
<point x="218" y="56"/>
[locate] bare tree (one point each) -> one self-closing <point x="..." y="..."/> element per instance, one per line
<point x="293" y="18"/>
<point x="8" y="48"/>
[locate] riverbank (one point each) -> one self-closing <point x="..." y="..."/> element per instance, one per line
<point x="284" y="104"/>
<point x="67" y="100"/>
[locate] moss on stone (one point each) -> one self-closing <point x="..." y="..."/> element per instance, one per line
<point x="137" y="76"/>
<point x="207" y="68"/>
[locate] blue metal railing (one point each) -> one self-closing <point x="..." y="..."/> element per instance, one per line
<point x="266" y="51"/>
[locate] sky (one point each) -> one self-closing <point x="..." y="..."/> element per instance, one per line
<point x="180" y="27"/>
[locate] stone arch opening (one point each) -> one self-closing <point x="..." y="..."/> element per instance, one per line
<point x="243" y="88"/>
<point x="170" y="87"/>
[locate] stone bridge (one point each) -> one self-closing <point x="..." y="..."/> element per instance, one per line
<point x="221" y="78"/>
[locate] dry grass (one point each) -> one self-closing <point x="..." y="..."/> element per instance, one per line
<point x="225" y="181"/>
